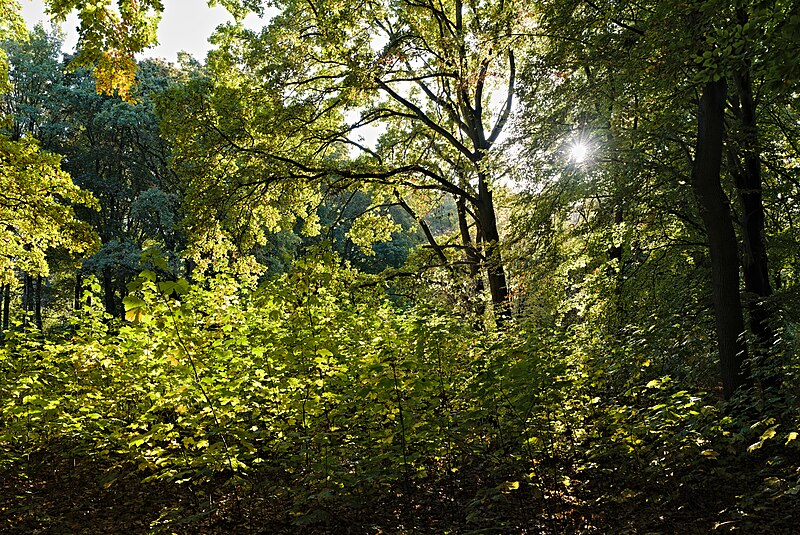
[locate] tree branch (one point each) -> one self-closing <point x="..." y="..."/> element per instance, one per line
<point x="425" y="228"/>
<point x="506" y="110"/>
<point x="428" y="121"/>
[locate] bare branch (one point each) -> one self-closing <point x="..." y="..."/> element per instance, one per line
<point x="425" y="228"/>
<point x="428" y="121"/>
<point x="506" y="110"/>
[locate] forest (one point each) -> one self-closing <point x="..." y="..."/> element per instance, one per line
<point x="402" y="267"/>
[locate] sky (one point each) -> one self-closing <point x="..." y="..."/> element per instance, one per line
<point x="185" y="26"/>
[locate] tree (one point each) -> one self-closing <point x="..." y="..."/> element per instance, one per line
<point x="11" y="27"/>
<point x="115" y="150"/>
<point x="36" y="84"/>
<point x="438" y="78"/>
<point x="112" y="148"/>
<point x="111" y="33"/>
<point x="715" y="212"/>
<point x="36" y="213"/>
<point x="38" y="198"/>
<point x="682" y="57"/>
<point x="759" y="78"/>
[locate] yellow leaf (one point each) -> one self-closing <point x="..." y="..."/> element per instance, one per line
<point x="769" y="433"/>
<point x="135" y="315"/>
<point x="508" y="486"/>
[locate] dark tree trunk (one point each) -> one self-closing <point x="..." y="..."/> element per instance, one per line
<point x="108" y="292"/>
<point x="6" y="305"/>
<point x="38" y="303"/>
<point x="473" y="258"/>
<point x="615" y="251"/>
<point x="27" y="297"/>
<point x="747" y="175"/>
<point x="123" y="293"/>
<point x="749" y="188"/>
<point x="715" y="212"/>
<point x="78" y="304"/>
<point x="494" y="261"/>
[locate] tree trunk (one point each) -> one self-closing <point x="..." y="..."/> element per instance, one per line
<point x="715" y="212"/>
<point x="27" y="297"/>
<point x="473" y="258"/>
<point x="108" y="292"/>
<point x="615" y="251"/>
<point x="123" y="293"/>
<point x="749" y="188"/>
<point x="494" y="261"/>
<point x="78" y="303"/>
<point x="6" y="305"/>
<point x="38" y="303"/>
<point x="747" y="175"/>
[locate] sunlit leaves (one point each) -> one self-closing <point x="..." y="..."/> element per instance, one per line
<point x="115" y="74"/>
<point x="12" y="27"/>
<point x="370" y="229"/>
<point x="229" y="148"/>
<point x="135" y="308"/>
<point x="109" y="36"/>
<point x="297" y="358"/>
<point x="36" y="212"/>
<point x="240" y="8"/>
<point x="768" y="434"/>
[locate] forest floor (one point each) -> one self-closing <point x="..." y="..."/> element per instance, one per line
<point x="58" y="495"/>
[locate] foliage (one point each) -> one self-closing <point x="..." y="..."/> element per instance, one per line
<point x="33" y="211"/>
<point x="11" y="27"/>
<point x="108" y="38"/>
<point x="285" y="328"/>
<point x="219" y="379"/>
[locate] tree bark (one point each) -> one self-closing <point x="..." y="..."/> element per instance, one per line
<point x="78" y="303"/>
<point x="494" y="260"/>
<point x="108" y="292"/>
<point x="715" y="212"/>
<point x="6" y="305"/>
<point x="749" y="190"/>
<point x="475" y="300"/>
<point x="27" y="297"/>
<point x="747" y="176"/>
<point x="37" y="313"/>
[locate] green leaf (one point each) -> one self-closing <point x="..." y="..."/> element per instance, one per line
<point x="131" y="302"/>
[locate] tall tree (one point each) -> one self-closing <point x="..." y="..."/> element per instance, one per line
<point x="115" y="150"/>
<point x="437" y="78"/>
<point x="715" y="211"/>
<point x="683" y="57"/>
<point x="760" y="78"/>
<point x="38" y="199"/>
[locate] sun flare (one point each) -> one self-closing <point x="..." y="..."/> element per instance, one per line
<point x="578" y="151"/>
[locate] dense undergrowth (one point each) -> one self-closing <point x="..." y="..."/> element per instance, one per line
<point x="312" y="404"/>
